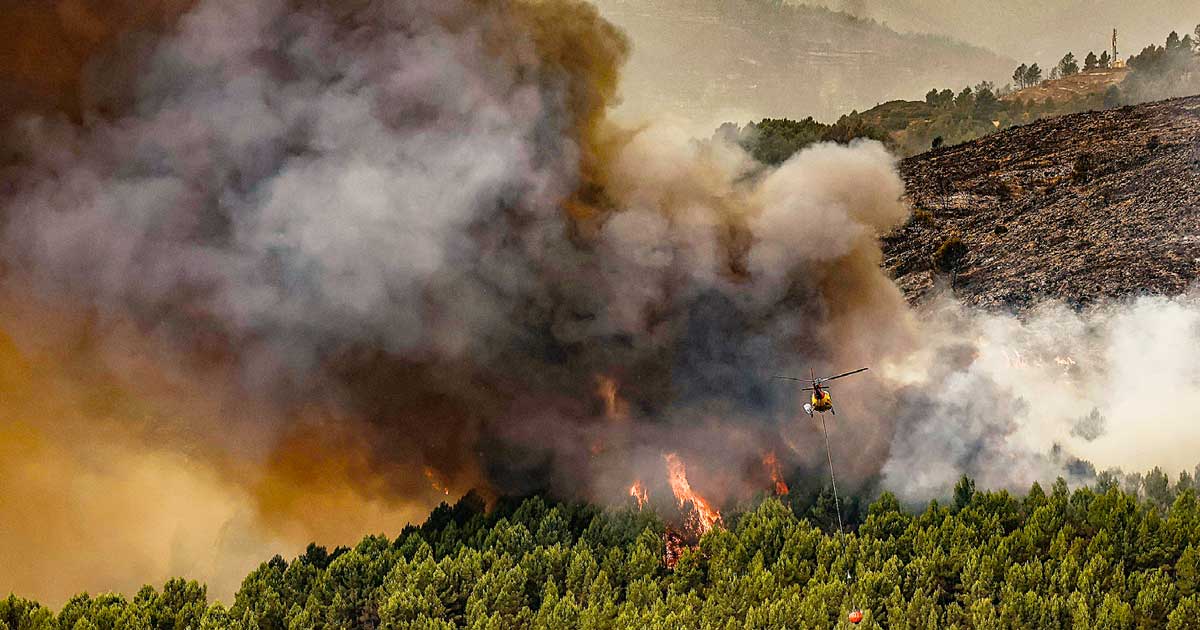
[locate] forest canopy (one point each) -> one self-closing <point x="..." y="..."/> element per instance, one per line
<point x="1123" y="553"/>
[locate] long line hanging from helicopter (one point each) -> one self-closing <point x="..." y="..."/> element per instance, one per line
<point x="821" y="402"/>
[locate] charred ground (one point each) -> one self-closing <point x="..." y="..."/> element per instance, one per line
<point x="1079" y="208"/>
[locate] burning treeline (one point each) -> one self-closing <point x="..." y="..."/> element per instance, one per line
<point x="307" y="267"/>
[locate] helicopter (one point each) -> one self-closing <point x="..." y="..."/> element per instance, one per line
<point x="821" y="400"/>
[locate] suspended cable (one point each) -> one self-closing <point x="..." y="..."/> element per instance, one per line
<point x="855" y="614"/>
<point x="837" y="505"/>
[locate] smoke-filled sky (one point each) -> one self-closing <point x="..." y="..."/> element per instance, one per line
<point x="711" y="61"/>
<point x="290" y="270"/>
<point x="1035" y="30"/>
<point x="706" y="62"/>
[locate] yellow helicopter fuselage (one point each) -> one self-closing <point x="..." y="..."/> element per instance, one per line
<point x="821" y="401"/>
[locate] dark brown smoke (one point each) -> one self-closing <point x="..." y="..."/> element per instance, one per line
<point x="53" y="53"/>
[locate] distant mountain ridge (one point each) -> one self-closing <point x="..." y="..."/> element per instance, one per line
<point x="1035" y="30"/>
<point x="700" y="58"/>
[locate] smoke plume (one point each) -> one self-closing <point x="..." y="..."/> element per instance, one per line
<point x="305" y="268"/>
<point x="1055" y="392"/>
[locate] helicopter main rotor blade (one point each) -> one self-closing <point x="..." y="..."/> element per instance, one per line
<point x="830" y="378"/>
<point x="800" y="380"/>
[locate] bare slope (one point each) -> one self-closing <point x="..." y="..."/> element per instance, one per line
<point x="1080" y="84"/>
<point x="1079" y="207"/>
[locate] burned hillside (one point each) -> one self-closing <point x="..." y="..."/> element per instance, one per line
<point x="1079" y="208"/>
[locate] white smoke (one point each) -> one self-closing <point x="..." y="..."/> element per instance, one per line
<point x="1013" y="399"/>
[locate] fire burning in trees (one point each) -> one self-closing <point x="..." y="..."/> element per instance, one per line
<point x="703" y="515"/>
<point x="638" y="492"/>
<point x="673" y="546"/>
<point x="772" y="464"/>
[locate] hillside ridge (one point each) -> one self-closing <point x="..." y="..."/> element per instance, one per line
<point x="1084" y="83"/>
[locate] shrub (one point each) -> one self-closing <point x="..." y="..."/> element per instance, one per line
<point x="920" y="216"/>
<point x="950" y="254"/>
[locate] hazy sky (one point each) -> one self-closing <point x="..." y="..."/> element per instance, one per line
<point x="1040" y="30"/>
<point x="710" y="61"/>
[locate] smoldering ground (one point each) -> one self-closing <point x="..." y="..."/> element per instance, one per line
<point x="313" y="266"/>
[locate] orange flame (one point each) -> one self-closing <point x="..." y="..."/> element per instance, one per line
<point x="614" y="408"/>
<point x="705" y="514"/>
<point x="638" y="491"/>
<point x="673" y="546"/>
<point x="435" y="481"/>
<point x="772" y="464"/>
